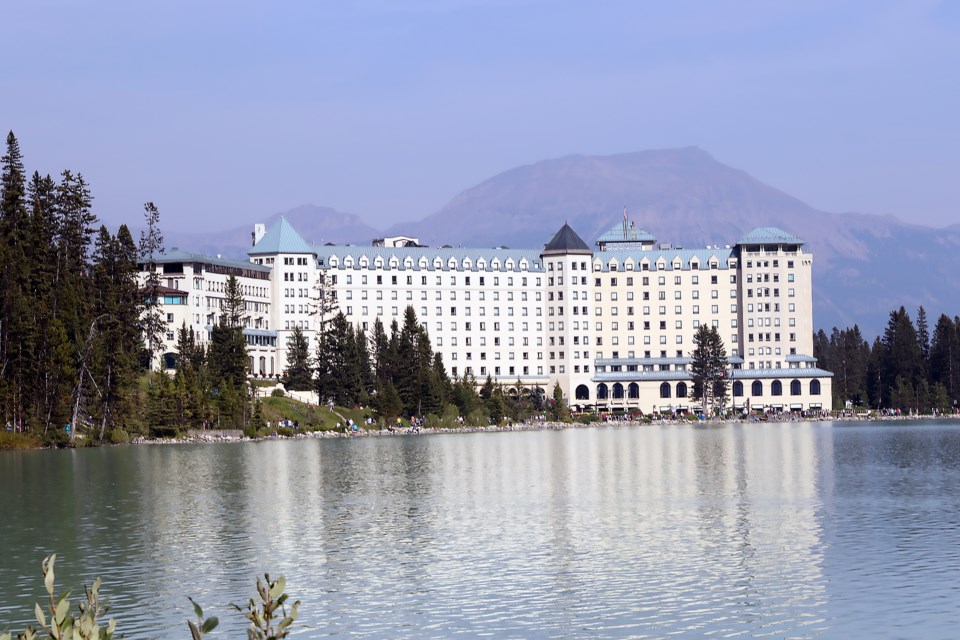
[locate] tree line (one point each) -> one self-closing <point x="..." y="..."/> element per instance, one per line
<point x="906" y="368"/>
<point x="78" y="329"/>
<point x="70" y="306"/>
<point x="209" y="387"/>
<point x="398" y="374"/>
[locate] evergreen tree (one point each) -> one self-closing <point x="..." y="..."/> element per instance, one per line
<point x="708" y="368"/>
<point x="558" y="407"/>
<point x="337" y="377"/>
<point x="323" y="302"/>
<point x="945" y="357"/>
<point x="298" y="375"/>
<point x="379" y="351"/>
<point x="161" y="404"/>
<point x="387" y="401"/>
<point x="151" y="246"/>
<point x="875" y="388"/>
<point x="116" y="305"/>
<point x="16" y="332"/>
<point x="40" y="253"/>
<point x="364" y="368"/>
<point x="228" y="357"/>
<point x="923" y="335"/>
<point x="902" y="361"/>
<point x="464" y="394"/>
<point x="191" y="380"/>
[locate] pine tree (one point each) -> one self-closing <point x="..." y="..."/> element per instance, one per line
<point x="42" y="289"/>
<point x="945" y="357"/>
<point x="923" y="341"/>
<point x="323" y="302"/>
<point x="902" y="361"/>
<point x="228" y="359"/>
<point x="190" y="379"/>
<point x="379" y="351"/>
<point x="708" y="368"/>
<point x="558" y="406"/>
<point x="16" y="332"/>
<point x="464" y="394"/>
<point x="298" y="375"/>
<point x="364" y="368"/>
<point x="387" y="401"/>
<point x="151" y="247"/>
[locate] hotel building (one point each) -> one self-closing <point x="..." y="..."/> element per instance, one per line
<point x="613" y="325"/>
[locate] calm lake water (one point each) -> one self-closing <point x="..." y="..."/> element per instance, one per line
<point x="795" y="530"/>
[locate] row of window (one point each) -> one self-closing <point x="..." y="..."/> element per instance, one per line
<point x="438" y="295"/>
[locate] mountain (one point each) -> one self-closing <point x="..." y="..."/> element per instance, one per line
<point x="864" y="265"/>
<point x="316" y="224"/>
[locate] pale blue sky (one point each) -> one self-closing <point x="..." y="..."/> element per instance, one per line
<point x="225" y="112"/>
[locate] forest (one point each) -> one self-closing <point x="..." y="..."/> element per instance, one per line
<point x="71" y="309"/>
<point x="906" y="368"/>
<point x="77" y="328"/>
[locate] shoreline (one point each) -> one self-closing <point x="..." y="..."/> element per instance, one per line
<point x="227" y="436"/>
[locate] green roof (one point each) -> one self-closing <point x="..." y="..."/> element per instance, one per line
<point x="281" y="238"/>
<point x="769" y="235"/>
<point x="633" y="233"/>
<point x="179" y="255"/>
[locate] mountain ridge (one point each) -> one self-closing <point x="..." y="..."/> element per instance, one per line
<point x="685" y="197"/>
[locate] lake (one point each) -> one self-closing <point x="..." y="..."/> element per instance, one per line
<point x="785" y="530"/>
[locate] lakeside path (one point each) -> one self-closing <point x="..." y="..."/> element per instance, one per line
<point x="198" y="436"/>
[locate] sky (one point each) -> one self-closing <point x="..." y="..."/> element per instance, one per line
<point x="223" y="113"/>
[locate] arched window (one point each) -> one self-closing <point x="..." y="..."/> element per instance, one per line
<point x="737" y="389"/>
<point x="795" y="388"/>
<point x="776" y="389"/>
<point x="756" y="389"/>
<point x="250" y="368"/>
<point x="583" y="393"/>
<point x="681" y="389"/>
<point x="170" y="360"/>
<point x="618" y="391"/>
<point x="602" y="391"/>
<point x="665" y="390"/>
<point x="814" y="387"/>
<point x="633" y="391"/>
<point x="263" y="365"/>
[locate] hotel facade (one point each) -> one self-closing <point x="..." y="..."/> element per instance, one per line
<point x="613" y="325"/>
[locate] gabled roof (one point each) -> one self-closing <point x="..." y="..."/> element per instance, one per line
<point x="281" y="238"/>
<point x="633" y="233"/>
<point x="653" y="257"/>
<point x="769" y="235"/>
<point x="460" y="257"/>
<point x="566" y="241"/>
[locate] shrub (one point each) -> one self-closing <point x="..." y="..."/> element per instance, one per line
<point x="478" y="418"/>
<point x="118" y="436"/>
<point x="286" y="432"/>
<point x="277" y="393"/>
<point x="55" y="438"/>
<point x="18" y="440"/>
<point x="268" y="618"/>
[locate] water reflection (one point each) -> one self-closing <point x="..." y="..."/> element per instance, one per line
<point x="789" y="530"/>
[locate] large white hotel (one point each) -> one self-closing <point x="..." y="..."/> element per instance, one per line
<point x="613" y="325"/>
